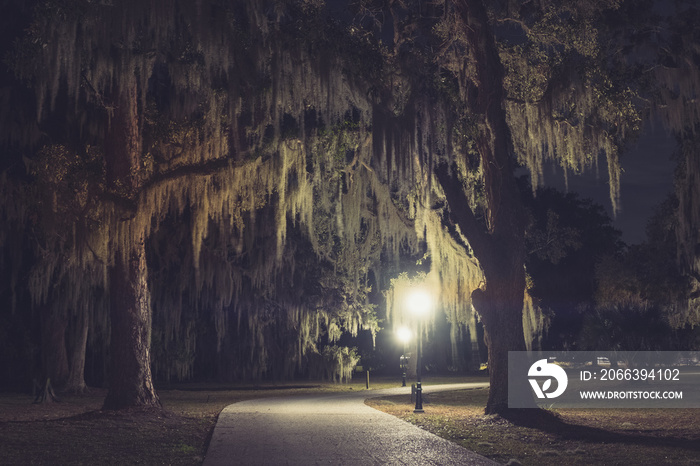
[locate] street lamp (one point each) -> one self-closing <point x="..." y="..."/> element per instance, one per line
<point x="419" y="303"/>
<point x="404" y="335"/>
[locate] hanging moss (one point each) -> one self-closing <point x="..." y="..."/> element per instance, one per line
<point x="191" y="166"/>
<point x="677" y="76"/>
<point x="275" y="174"/>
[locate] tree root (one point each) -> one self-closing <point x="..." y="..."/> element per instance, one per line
<point x="44" y="394"/>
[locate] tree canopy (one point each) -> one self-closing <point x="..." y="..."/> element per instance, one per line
<point x="247" y="173"/>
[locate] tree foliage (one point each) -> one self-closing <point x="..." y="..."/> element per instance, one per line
<point x="281" y="153"/>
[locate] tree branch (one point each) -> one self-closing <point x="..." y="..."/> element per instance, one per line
<point x="209" y="167"/>
<point x="461" y="213"/>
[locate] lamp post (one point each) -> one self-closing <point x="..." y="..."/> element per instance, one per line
<point x="404" y="334"/>
<point x="419" y="303"/>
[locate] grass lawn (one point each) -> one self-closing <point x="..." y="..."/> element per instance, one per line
<point x="561" y="437"/>
<point x="75" y="430"/>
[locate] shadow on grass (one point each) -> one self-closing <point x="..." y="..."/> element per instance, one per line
<point x="232" y="387"/>
<point x="131" y="415"/>
<point x="549" y="422"/>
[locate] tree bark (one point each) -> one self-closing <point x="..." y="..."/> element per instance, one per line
<point x="76" y="376"/>
<point x="131" y="381"/>
<point x="499" y="245"/>
<point x="500" y="306"/>
<point x="54" y="358"/>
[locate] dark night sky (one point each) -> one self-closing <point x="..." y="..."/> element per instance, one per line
<point x="646" y="180"/>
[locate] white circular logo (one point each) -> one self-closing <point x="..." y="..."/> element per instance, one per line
<point x="542" y="368"/>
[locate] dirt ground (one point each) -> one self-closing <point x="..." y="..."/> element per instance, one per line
<point x="75" y="431"/>
<point x="562" y="437"/>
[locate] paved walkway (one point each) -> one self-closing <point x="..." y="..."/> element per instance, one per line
<point x="336" y="429"/>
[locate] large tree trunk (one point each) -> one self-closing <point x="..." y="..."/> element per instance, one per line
<point x="499" y="244"/>
<point x="500" y="302"/>
<point x="131" y="382"/>
<point x="54" y="357"/>
<point x="76" y="376"/>
<point x="500" y="306"/>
